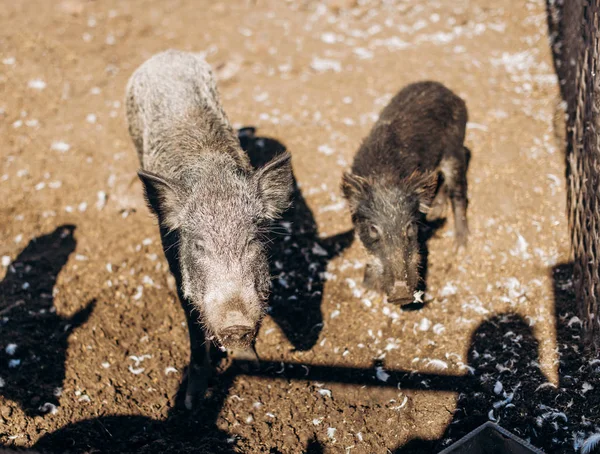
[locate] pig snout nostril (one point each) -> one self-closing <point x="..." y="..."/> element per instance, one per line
<point x="236" y="335"/>
<point x="400" y="293"/>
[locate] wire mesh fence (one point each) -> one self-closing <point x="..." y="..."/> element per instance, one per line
<point x="575" y="34"/>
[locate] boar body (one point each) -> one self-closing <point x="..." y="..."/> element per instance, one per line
<point x="410" y="164"/>
<point x="213" y="208"/>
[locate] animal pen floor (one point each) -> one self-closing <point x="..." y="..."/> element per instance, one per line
<point x="90" y="328"/>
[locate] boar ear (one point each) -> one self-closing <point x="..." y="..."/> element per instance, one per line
<point x="275" y="185"/>
<point x="425" y="185"/>
<point x="162" y="198"/>
<point x="354" y="189"/>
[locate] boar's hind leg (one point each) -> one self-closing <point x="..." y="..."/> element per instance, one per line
<point x="199" y="370"/>
<point x="454" y="169"/>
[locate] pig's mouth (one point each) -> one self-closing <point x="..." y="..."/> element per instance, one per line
<point x="236" y="337"/>
<point x="400" y="292"/>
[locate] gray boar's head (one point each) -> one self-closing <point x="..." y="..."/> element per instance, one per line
<point x="386" y="218"/>
<point x="222" y="218"/>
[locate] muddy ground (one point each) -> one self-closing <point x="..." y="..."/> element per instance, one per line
<point x="93" y="342"/>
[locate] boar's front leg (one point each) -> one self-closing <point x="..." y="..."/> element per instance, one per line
<point x="199" y="369"/>
<point x="454" y="169"/>
<point x="439" y="204"/>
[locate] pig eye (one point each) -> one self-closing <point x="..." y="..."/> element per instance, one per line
<point x="199" y="247"/>
<point x="374" y="232"/>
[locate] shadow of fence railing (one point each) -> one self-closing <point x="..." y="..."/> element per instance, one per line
<point x="502" y="348"/>
<point x="394" y="378"/>
<point x="198" y="431"/>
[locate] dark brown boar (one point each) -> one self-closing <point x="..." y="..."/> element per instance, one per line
<point x="409" y="165"/>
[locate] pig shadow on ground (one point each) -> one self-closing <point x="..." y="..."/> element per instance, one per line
<point x="182" y="431"/>
<point x="502" y="350"/>
<point x="314" y="447"/>
<point x="186" y="431"/>
<point x="34" y="372"/>
<point x="299" y="256"/>
<point x="579" y="369"/>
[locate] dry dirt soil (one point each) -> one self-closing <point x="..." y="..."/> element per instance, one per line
<point x="93" y="342"/>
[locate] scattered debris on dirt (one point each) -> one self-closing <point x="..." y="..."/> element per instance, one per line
<point x="93" y="343"/>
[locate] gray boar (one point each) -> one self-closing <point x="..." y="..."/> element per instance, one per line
<point x="409" y="165"/>
<point x="213" y="208"/>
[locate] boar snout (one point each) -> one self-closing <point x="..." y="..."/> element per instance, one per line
<point x="233" y="305"/>
<point x="400" y="293"/>
<point x="236" y="336"/>
<point x="237" y="330"/>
